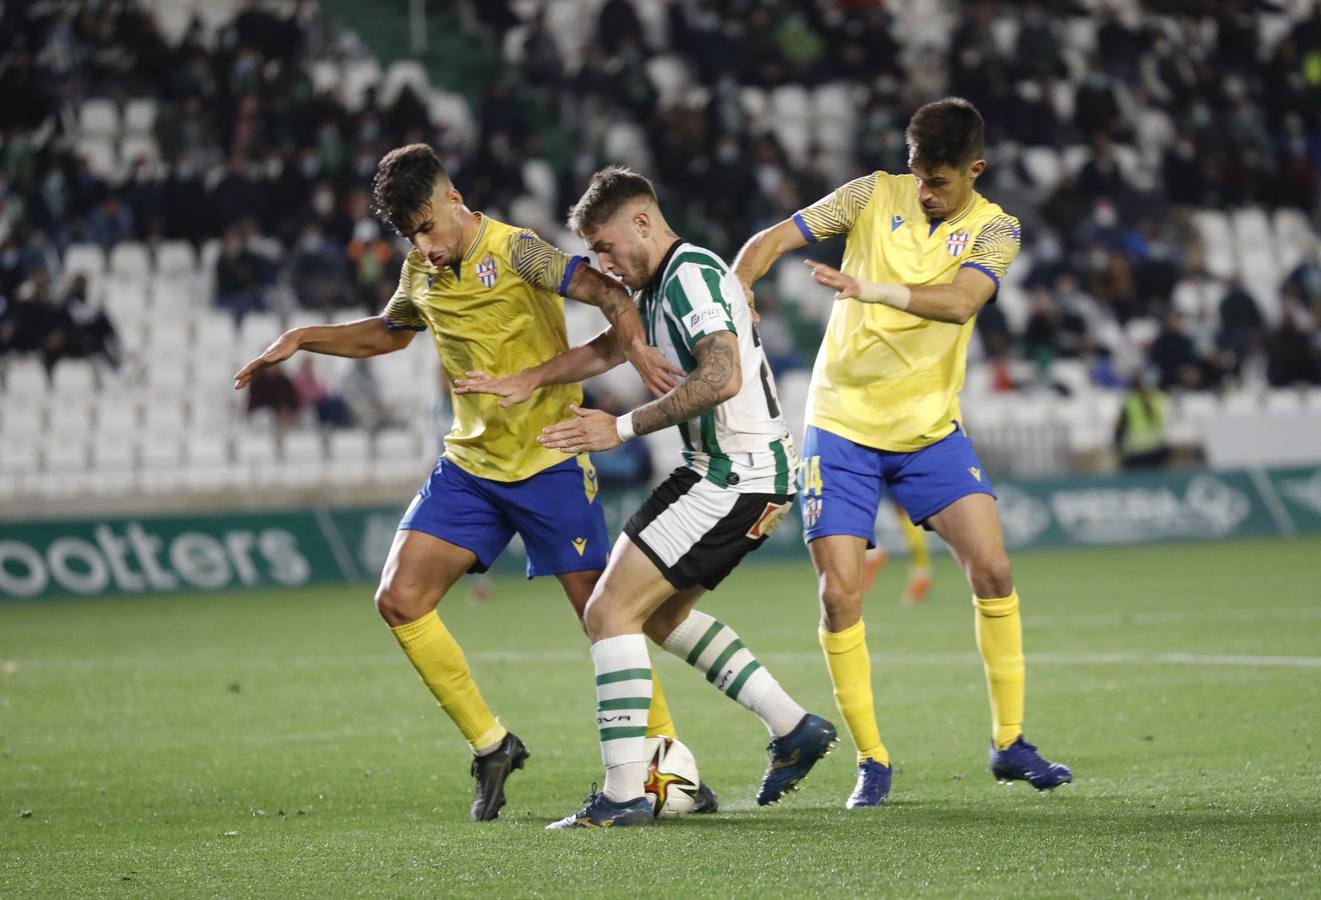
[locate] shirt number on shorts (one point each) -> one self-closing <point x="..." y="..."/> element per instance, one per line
<point x="812" y="475"/>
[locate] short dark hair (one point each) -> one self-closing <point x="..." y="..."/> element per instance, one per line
<point x="405" y="179"/>
<point x="610" y="189"/>
<point x="947" y="132"/>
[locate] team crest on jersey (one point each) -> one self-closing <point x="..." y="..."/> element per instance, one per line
<point x="956" y="242"/>
<point x="811" y="511"/>
<point x="487" y="273"/>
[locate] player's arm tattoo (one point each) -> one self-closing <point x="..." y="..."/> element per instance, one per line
<point x="717" y="378"/>
<point x="590" y="286"/>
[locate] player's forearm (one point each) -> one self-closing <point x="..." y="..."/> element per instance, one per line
<point x="938" y="302"/>
<point x="716" y="379"/>
<point x="600" y="354"/>
<point x="764" y="248"/>
<point x="365" y="337"/>
<point x="591" y="287"/>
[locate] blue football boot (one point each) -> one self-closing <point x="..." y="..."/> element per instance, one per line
<point x="793" y="756"/>
<point x="599" y="811"/>
<point x="873" y="787"/>
<point x="1020" y="761"/>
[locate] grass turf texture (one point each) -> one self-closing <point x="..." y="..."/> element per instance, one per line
<point x="279" y="743"/>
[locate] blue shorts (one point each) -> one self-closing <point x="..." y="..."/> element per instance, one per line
<point x="842" y="481"/>
<point x="556" y="512"/>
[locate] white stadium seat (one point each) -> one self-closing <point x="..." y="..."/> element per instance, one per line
<point x="26" y="376"/>
<point x="85" y="259"/>
<point x="140" y="115"/>
<point x="176" y="258"/>
<point x="404" y="72"/>
<point x="130" y="259"/>
<point x="350" y="452"/>
<point x="98" y="117"/>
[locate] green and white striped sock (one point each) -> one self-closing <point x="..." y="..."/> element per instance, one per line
<point x="714" y="649"/>
<point x="623" y="702"/>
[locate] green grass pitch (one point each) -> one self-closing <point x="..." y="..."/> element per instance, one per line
<point x="279" y="743"/>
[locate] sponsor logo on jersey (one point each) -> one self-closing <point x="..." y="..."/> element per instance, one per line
<point x="956" y="242"/>
<point x="579" y="544"/>
<point x="699" y="317"/>
<point x="487" y="273"/>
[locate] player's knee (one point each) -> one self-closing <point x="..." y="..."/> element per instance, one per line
<point x="399" y="607"/>
<point x="661" y="625"/>
<point x="597" y="616"/>
<point x="841" y="603"/>
<point x="991" y="576"/>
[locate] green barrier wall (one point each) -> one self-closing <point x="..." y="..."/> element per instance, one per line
<point x="107" y="556"/>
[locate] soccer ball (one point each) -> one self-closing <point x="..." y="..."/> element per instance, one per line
<point x="672" y="777"/>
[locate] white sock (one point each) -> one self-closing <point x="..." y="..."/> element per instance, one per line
<point x="712" y="648"/>
<point x="623" y="702"/>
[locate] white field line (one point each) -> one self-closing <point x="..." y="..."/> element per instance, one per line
<point x="581" y="657"/>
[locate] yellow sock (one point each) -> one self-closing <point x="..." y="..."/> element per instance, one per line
<point x="919" y="557"/>
<point x="850" y="674"/>
<point x="1000" y="640"/>
<point x="434" y="653"/>
<point x="659" y="723"/>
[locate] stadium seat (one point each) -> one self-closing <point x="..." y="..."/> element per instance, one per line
<point x="540" y="179"/>
<point x="74" y="378"/>
<point x="350" y="453"/>
<point x="397" y="453"/>
<point x="452" y="111"/>
<point x="86" y="259"/>
<point x="1240" y="402"/>
<point x="325" y="75"/>
<point x="755" y="103"/>
<point x="140" y="115"/>
<point x="1043" y="166"/>
<point x="176" y="258"/>
<point x="302" y="456"/>
<point x="27" y="376"/>
<point x="669" y="75"/>
<point x="1283" y="401"/>
<point x="257" y="457"/>
<point x="1218" y="242"/>
<point x="98" y="117"/>
<point x="359" y="75"/>
<point x="131" y="261"/>
<point x="22" y="425"/>
<point x="114" y="460"/>
<point x="1312" y="399"/>
<point x="100" y="155"/>
<point x="116" y="412"/>
<point x="402" y="73"/>
<point x="138" y="148"/>
<point x="258" y="329"/>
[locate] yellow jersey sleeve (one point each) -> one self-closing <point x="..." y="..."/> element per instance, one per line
<point x="401" y="313"/>
<point x="995" y="247"/>
<point x="540" y="264"/>
<point x="838" y="211"/>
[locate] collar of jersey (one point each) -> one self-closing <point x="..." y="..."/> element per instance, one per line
<point x="967" y="209"/>
<point x="659" y="274"/>
<point x="477" y="238"/>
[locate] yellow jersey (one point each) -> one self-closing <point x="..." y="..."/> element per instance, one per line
<point x="883" y="377"/>
<point x="499" y="309"/>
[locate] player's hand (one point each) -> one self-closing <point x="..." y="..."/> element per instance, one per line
<point x="592" y="430"/>
<point x="657" y="373"/>
<point x="752" y="304"/>
<point x="846" y="286"/>
<point x="285" y="346"/>
<point x="510" y="389"/>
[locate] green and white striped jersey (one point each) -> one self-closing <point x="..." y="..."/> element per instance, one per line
<point x="743" y="444"/>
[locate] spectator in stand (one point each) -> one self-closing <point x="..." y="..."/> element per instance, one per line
<point x="314" y="394"/>
<point x="273" y="390"/>
<point x="238" y="277"/>
<point x="1241" y="324"/>
<point x="1140" y="432"/>
<point x="1292" y="357"/>
<point x="1175" y="356"/>
<point x="91" y="333"/>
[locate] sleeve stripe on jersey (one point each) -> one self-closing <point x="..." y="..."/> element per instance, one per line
<point x="385" y="317"/>
<point x="985" y="271"/>
<point x="569" y="269"/>
<point x="802" y="227"/>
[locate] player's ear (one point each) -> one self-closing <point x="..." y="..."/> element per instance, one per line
<point x="977" y="168"/>
<point x="642" y="222"/>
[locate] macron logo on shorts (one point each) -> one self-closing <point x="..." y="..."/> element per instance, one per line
<point x="579" y="544"/>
